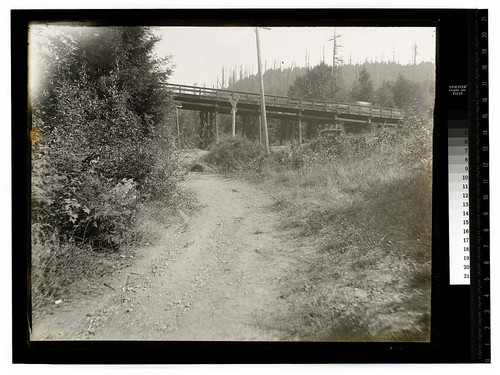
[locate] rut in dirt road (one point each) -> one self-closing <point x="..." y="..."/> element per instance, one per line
<point x="217" y="277"/>
<point x="224" y="281"/>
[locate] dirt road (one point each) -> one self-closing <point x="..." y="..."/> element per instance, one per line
<point x="217" y="276"/>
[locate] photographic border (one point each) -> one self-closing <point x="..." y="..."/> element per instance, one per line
<point x="453" y="318"/>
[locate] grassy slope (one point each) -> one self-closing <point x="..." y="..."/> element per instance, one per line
<point x="366" y="237"/>
<point x="365" y="229"/>
<point x="362" y="218"/>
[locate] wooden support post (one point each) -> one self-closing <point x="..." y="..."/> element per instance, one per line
<point x="201" y="124"/>
<point x="260" y="129"/>
<point x="233" y="114"/>
<point x="202" y="129"/>
<point x="216" y="125"/>
<point x="371" y="128"/>
<point x="300" y="128"/>
<point x="250" y="127"/>
<point x="234" y="103"/>
<point x="255" y="121"/>
<point x="289" y="132"/>
<point x="281" y="133"/>
<point x="211" y="125"/>
<point x="179" y="141"/>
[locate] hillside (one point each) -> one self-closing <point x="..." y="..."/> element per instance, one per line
<point x="278" y="82"/>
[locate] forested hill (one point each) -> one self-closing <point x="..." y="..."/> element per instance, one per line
<point x="278" y="82"/>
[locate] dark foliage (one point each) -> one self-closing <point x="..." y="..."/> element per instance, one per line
<point x="319" y="83"/>
<point x="406" y="94"/>
<point x="363" y="90"/>
<point x="104" y="145"/>
<point x="279" y="81"/>
<point x="235" y="153"/>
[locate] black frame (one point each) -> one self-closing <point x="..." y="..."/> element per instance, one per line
<point x="454" y="316"/>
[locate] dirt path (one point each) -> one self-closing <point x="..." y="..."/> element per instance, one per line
<point x="215" y="277"/>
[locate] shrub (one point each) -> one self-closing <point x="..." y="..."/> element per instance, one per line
<point x="103" y="119"/>
<point x="104" y="145"/>
<point x="235" y="153"/>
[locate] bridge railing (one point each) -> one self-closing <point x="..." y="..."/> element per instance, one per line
<point x="291" y="102"/>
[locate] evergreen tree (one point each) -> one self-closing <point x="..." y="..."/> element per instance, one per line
<point x="364" y="89"/>
<point x="407" y="94"/>
<point x="103" y="118"/>
<point x="384" y="95"/>
<point x="318" y="83"/>
<point x="106" y="56"/>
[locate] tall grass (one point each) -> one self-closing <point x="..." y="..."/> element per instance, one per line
<point x="362" y="206"/>
<point x="370" y="264"/>
<point x="360" y="209"/>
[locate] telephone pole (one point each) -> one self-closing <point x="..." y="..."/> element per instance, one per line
<point x="262" y="96"/>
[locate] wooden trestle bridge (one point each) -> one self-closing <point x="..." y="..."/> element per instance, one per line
<point x="328" y="115"/>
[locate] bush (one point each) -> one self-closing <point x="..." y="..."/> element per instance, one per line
<point x="103" y="118"/>
<point x="89" y="175"/>
<point x="104" y="147"/>
<point x="235" y="153"/>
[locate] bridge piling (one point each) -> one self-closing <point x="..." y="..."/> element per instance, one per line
<point x="256" y="126"/>
<point x="260" y="129"/>
<point x="300" y="128"/>
<point x="216" y="125"/>
<point x="207" y="124"/>
<point x="202" y="129"/>
<point x="234" y="109"/>
<point x="179" y="140"/>
<point x="233" y="114"/>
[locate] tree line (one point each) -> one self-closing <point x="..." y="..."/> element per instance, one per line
<point x="380" y="83"/>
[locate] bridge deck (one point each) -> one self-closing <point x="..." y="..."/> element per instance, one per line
<point x="206" y="99"/>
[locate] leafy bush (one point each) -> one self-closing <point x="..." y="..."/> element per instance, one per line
<point x="235" y="153"/>
<point x="103" y="119"/>
<point x="104" y="146"/>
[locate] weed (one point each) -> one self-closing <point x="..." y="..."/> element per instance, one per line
<point x="362" y="206"/>
<point x="235" y="153"/>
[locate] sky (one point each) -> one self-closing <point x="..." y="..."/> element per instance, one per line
<point x="199" y="53"/>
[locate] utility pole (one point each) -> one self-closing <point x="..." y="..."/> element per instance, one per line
<point x="262" y="96"/>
